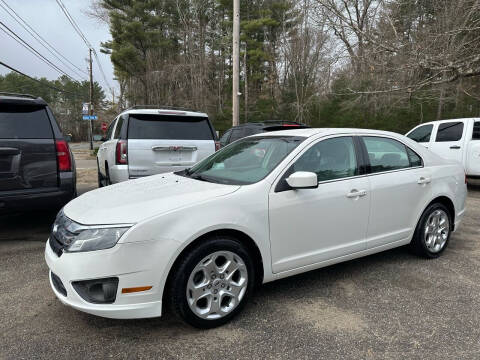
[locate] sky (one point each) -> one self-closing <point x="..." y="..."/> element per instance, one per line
<point x="47" y="19"/>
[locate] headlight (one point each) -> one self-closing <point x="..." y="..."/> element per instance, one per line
<point x="96" y="239"/>
<point x="75" y="237"/>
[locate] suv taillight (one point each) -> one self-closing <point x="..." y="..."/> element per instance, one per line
<point x="217" y="145"/>
<point x="121" y="153"/>
<point x="63" y="155"/>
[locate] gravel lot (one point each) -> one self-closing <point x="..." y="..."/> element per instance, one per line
<point x="386" y="306"/>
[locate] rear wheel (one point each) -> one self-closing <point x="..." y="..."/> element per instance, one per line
<point x="107" y="176"/>
<point x="99" y="176"/>
<point x="433" y="232"/>
<point x="212" y="282"/>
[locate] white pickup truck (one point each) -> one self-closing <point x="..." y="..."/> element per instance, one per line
<point x="456" y="139"/>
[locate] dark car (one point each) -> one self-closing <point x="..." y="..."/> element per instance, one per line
<point x="37" y="169"/>
<point x="247" y="129"/>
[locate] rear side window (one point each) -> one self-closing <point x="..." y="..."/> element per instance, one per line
<point x="415" y="160"/>
<point x="451" y="131"/>
<point x="386" y="154"/>
<point x="146" y="126"/>
<point x="24" y="122"/>
<point x="421" y="134"/>
<point x="476" y="130"/>
<point x="118" y="129"/>
<point x="224" y="139"/>
<point x="236" y="134"/>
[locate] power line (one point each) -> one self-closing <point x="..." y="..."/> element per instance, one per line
<point x="84" y="38"/>
<point x="73" y="23"/>
<point x="38" y="81"/>
<point x="101" y="70"/>
<point x="33" y="50"/>
<point x="37" y="36"/>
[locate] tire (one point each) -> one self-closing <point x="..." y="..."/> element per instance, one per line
<point x="99" y="175"/>
<point x="107" y="176"/>
<point x="223" y="272"/>
<point x="431" y="242"/>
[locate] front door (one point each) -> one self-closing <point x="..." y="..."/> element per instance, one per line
<point x="308" y="226"/>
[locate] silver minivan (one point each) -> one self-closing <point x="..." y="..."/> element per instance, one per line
<point x="142" y="142"/>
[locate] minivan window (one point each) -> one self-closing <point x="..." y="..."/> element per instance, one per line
<point x="476" y="130"/>
<point x="421" y="134"/>
<point x="330" y="159"/>
<point x="24" y="122"/>
<point x="451" y="131"/>
<point x="386" y="154"/>
<point x="169" y="127"/>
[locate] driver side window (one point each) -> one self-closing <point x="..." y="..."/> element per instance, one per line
<point x="330" y="159"/>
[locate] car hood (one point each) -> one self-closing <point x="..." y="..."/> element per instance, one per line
<point x="133" y="201"/>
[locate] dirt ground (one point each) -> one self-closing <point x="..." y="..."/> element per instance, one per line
<point x="391" y="305"/>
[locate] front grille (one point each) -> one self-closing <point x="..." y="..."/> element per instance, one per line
<point x="58" y="284"/>
<point x="55" y="245"/>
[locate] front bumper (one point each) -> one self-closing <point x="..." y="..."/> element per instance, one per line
<point x="129" y="262"/>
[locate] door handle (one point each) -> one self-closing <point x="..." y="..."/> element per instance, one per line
<point x="424" y="180"/>
<point x="356" y="193"/>
<point x="455" y="147"/>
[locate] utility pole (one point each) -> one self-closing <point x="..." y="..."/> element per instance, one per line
<point x="90" y="105"/>
<point x="236" y="62"/>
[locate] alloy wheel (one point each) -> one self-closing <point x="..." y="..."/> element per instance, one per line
<point x="437" y="229"/>
<point x="217" y="285"/>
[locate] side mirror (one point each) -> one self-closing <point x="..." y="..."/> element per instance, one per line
<point x="303" y="180"/>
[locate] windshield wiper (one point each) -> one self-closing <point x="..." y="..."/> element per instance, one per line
<point x="198" y="177"/>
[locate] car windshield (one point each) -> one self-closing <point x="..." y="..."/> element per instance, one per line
<point x="245" y="161"/>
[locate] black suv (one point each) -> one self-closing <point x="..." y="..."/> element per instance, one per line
<point x="247" y="129"/>
<point x="37" y="169"/>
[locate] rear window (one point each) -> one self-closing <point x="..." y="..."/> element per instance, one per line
<point x="144" y="126"/>
<point x="24" y="122"/>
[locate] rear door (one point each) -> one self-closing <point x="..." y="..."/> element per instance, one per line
<point x="449" y="140"/>
<point x="160" y="143"/>
<point x="400" y="187"/>
<point x="28" y="159"/>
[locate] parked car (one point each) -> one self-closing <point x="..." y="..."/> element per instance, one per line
<point x="456" y="139"/>
<point x="144" y="141"/>
<point x="37" y="169"/>
<point x="247" y="129"/>
<point x="265" y="207"/>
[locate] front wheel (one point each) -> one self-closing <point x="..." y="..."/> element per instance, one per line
<point x="212" y="282"/>
<point x="433" y="232"/>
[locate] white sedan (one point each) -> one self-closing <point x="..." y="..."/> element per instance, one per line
<point x="263" y="208"/>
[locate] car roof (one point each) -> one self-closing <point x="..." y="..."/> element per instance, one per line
<point x="164" y="111"/>
<point x="444" y="120"/>
<point x="308" y="132"/>
<point x="21" y="99"/>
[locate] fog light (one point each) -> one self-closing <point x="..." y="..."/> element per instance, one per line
<point x="98" y="291"/>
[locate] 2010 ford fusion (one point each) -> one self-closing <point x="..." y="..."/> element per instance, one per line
<point x="263" y="208"/>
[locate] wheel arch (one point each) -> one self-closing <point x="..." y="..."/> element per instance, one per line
<point x="245" y="239"/>
<point x="448" y="203"/>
